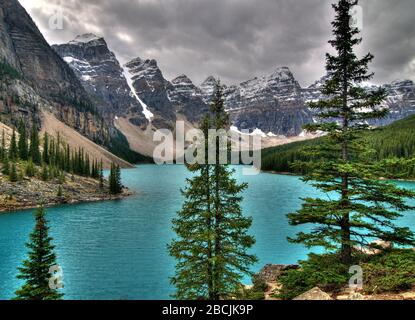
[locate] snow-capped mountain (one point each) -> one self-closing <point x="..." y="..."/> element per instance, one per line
<point x="187" y="98"/>
<point x="271" y="103"/>
<point x="102" y="76"/>
<point x="152" y="89"/>
<point x="400" y="99"/>
<point x="275" y="104"/>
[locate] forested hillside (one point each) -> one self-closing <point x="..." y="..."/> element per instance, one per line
<point x="396" y="141"/>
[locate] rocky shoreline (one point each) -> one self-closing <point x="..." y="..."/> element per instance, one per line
<point x="32" y="193"/>
<point x="271" y="273"/>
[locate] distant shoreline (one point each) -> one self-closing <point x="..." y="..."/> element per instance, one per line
<point x="124" y="195"/>
<point x="283" y="173"/>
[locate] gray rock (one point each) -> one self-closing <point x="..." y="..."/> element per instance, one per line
<point x="271" y="272"/>
<point x="314" y="294"/>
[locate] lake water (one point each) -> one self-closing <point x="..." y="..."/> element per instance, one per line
<point x="117" y="250"/>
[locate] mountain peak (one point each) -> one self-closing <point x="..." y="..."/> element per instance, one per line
<point x="182" y="79"/>
<point x="86" y="38"/>
<point x="282" y="73"/>
<point x="211" y="80"/>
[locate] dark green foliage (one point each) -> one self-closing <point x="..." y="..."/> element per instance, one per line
<point x="6" y="165"/>
<point x="393" y="142"/>
<point x="22" y="145"/>
<point x="13" y="151"/>
<point x="390" y="271"/>
<point x="45" y="172"/>
<point x="3" y="150"/>
<point x="257" y="292"/>
<point x="30" y="169"/>
<point x="101" y="175"/>
<point x="41" y="258"/>
<point x="212" y="233"/>
<point x="115" y="179"/>
<point x="13" y="173"/>
<point x="323" y="271"/>
<point x="45" y="154"/>
<point x="357" y="206"/>
<point x="34" y="151"/>
<point x="386" y="272"/>
<point x="7" y="71"/>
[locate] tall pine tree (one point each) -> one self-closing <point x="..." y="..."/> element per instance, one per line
<point x="34" y="151"/>
<point x="359" y="206"/>
<point x="13" y="151"/>
<point x="115" y="179"/>
<point x="22" y="144"/>
<point x="3" y="151"/>
<point x="35" y="270"/>
<point x="212" y="239"/>
<point x="45" y="154"/>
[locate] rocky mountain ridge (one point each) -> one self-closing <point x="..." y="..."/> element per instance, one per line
<point x="271" y="105"/>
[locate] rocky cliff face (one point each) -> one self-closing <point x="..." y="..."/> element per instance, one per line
<point x="152" y="88"/>
<point x="400" y="100"/>
<point x="187" y="98"/>
<point x="44" y="79"/>
<point x="27" y="50"/>
<point x="102" y="76"/>
<point x="272" y="104"/>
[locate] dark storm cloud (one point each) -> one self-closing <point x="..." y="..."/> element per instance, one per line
<point x="235" y="39"/>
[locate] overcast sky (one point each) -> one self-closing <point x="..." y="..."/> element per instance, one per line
<point x="234" y="39"/>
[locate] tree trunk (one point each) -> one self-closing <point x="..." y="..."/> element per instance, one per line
<point x="209" y="226"/>
<point x="218" y="218"/>
<point x="346" y="250"/>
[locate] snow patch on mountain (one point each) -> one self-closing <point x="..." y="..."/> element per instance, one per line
<point x="146" y="111"/>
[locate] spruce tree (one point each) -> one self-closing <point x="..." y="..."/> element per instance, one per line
<point x="45" y="154"/>
<point x="30" y="168"/>
<point x="22" y="145"/>
<point x="212" y="233"/>
<point x="3" y="151"/>
<point x="118" y="182"/>
<point x="36" y="268"/>
<point x="13" y="173"/>
<point x="359" y="207"/>
<point x="115" y="179"/>
<point x="101" y="175"/>
<point x="34" y="151"/>
<point x="6" y="165"/>
<point x="13" y="151"/>
<point x="45" y="172"/>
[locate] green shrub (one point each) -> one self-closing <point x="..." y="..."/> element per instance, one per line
<point x="392" y="271"/>
<point x="7" y="71"/>
<point x="323" y="271"/>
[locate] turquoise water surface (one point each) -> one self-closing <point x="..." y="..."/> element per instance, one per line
<point x="117" y="249"/>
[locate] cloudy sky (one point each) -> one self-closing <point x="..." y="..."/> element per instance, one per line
<point x="234" y="39"/>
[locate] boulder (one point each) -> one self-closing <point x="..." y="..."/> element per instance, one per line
<point x="314" y="294"/>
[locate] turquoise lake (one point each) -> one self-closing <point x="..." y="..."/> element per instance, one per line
<point x="117" y="249"/>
